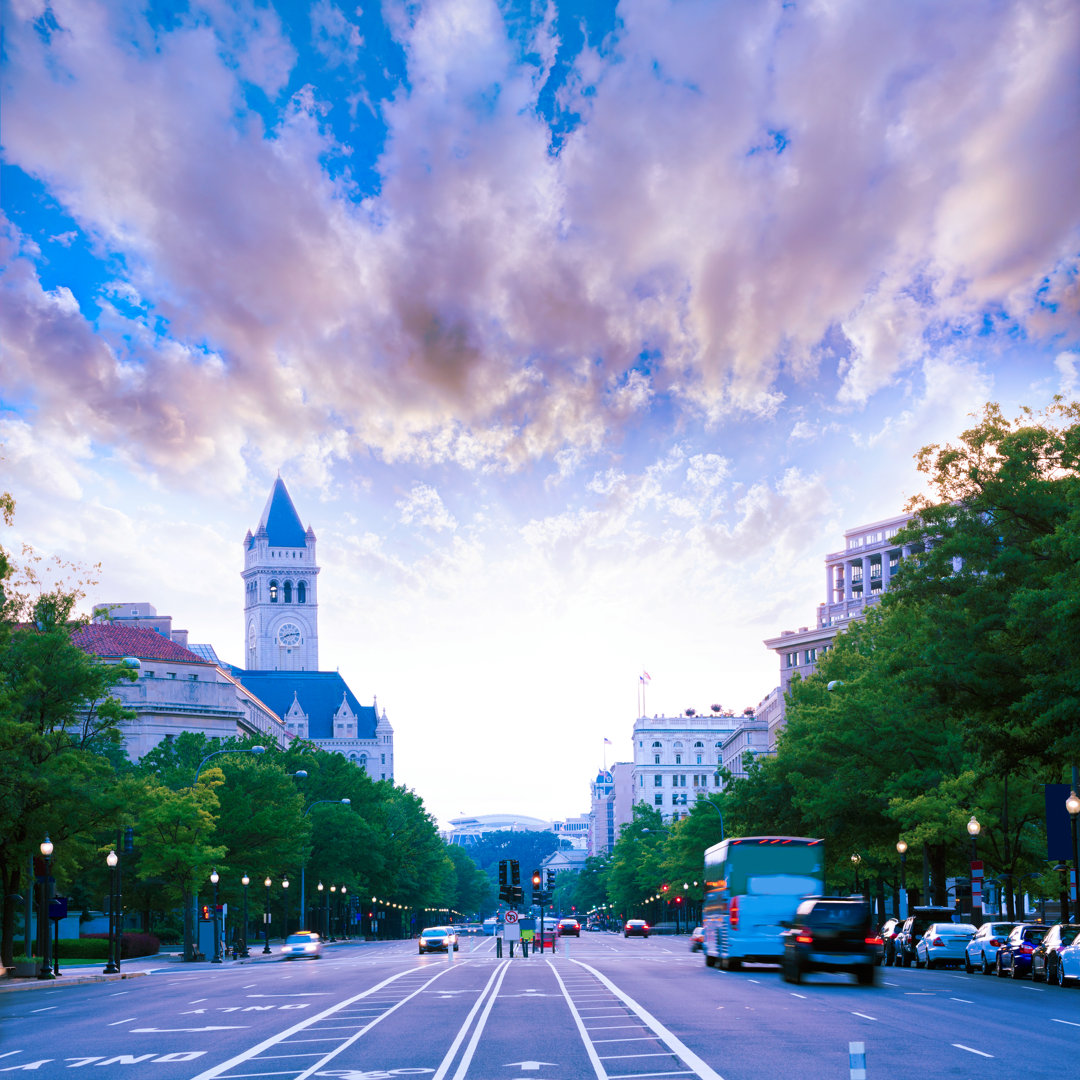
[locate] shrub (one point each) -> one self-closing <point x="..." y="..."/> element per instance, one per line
<point x="86" y="948"/>
<point x="131" y="946"/>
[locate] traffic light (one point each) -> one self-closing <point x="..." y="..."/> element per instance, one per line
<point x="550" y="880"/>
<point x="515" y="873"/>
<point x="206" y="912"/>
<point x="537" y="887"/>
<point x="502" y="874"/>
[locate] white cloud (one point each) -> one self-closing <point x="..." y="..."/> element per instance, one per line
<point x="424" y="507"/>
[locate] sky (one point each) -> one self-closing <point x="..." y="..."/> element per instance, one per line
<point x="579" y="332"/>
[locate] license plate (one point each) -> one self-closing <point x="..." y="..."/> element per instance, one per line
<point x="835" y="958"/>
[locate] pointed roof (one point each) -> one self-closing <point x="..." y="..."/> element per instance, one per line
<point x="280" y="519"/>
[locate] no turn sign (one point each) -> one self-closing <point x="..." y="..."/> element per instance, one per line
<point x="510" y="917"/>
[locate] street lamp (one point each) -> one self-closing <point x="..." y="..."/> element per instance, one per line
<point x="111" y="968"/>
<point x="43" y="917"/>
<point x="245" y="881"/>
<point x="266" y="917"/>
<point x="709" y="802"/>
<point x="285" y="907"/>
<point x="856" y="859"/>
<point x="345" y="917"/>
<point x="331" y="912"/>
<point x="974" y="828"/>
<point x="214" y="879"/>
<point x="303" y="865"/>
<point x="1072" y="804"/>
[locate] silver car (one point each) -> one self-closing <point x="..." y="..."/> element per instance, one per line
<point x="943" y="943"/>
<point x="981" y="951"/>
<point x="302" y="946"/>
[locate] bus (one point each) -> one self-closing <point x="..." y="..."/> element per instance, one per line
<point x="752" y="885"/>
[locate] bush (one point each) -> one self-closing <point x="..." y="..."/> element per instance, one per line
<point x="86" y="948"/>
<point x="131" y="946"/>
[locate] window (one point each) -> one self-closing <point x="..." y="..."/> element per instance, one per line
<point x="288" y="592"/>
<point x="792" y="659"/>
<point x="384" y="759"/>
<point x="149" y="674"/>
<point x="656" y="759"/>
<point x="658" y="800"/>
<point x="698" y="762"/>
<point x="658" y="780"/>
<point x="698" y="745"/>
<point x="716" y="779"/>
<point x="681" y="780"/>
<point x="678" y="745"/>
<point x="301" y="592"/>
<point x="273" y="592"/>
<point x="811" y="656"/>
<point x="655" y="745"/>
<point x="194" y="678"/>
<point x="641" y="780"/>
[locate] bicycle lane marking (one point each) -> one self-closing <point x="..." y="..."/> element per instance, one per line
<point x="678" y="1048"/>
<point x="303" y="1025"/>
<point x="486" y="1000"/>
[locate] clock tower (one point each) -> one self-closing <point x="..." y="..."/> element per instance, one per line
<point x="281" y="608"/>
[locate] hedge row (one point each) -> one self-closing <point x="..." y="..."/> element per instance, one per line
<point x="96" y="947"/>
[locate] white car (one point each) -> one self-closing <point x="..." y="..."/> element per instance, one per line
<point x="305" y="945"/>
<point x="982" y="949"/>
<point x="943" y="943"/>
<point x="1068" y="965"/>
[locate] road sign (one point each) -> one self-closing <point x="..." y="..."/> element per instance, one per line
<point x="510" y="917"/>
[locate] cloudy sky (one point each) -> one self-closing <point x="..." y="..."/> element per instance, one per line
<point x="578" y="331"/>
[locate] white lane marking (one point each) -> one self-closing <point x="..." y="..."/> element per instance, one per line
<point x="680" y="1049"/>
<point x="1037" y="989"/>
<point x="971" y="1050"/>
<point x="864" y="1016"/>
<point x="303" y="1025"/>
<point x="1071" y="1023"/>
<point x="793" y="994"/>
<point x="963" y="1000"/>
<point x="493" y="985"/>
<point x="196" y="1001"/>
<point x="117" y="1022"/>
<point x="45" y="1008"/>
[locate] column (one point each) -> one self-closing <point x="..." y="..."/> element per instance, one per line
<point x="865" y="578"/>
<point x="886" y="556"/>
<point x="847" y="580"/>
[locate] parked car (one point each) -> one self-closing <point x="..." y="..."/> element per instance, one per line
<point x="1014" y="956"/>
<point x="1068" y="965"/>
<point x="569" y="928"/>
<point x="438" y="939"/>
<point x="888" y="932"/>
<point x="943" y="943"/>
<point x="635" y="928"/>
<point x="981" y="951"/>
<point x="1045" y="959"/>
<point x="697" y="939"/>
<point x="831" y="934"/>
<point x="306" y="945"/>
<point x="914" y="927"/>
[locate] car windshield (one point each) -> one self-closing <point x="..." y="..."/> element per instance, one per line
<point x="434" y="932"/>
<point x="1036" y="935"/>
<point x="837" y="915"/>
<point x="999" y="928"/>
<point x="299" y="939"/>
<point x="953" y="928"/>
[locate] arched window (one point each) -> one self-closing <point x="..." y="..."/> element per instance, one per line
<point x="699" y="745"/>
<point x="301" y="592"/>
<point x="363" y="761"/>
<point x="656" y="744"/>
<point x="288" y="592"/>
<point x="273" y="592"/>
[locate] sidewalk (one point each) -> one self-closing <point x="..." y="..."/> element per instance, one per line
<point x="144" y="965"/>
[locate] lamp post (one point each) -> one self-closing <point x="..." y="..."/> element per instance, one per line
<point x="856" y="859"/>
<point x="111" y="967"/>
<point x="332" y="909"/>
<point x="241" y="750"/>
<point x="1072" y="804"/>
<point x="720" y="812"/>
<point x="974" y="828"/>
<point x="901" y="847"/>
<point x="318" y="906"/>
<point x="345" y="915"/>
<point x="303" y="865"/>
<point x="245" y="881"/>
<point x="266" y="917"/>
<point x="43" y="916"/>
<point x="285" y="907"/>
<point x="214" y="879"/>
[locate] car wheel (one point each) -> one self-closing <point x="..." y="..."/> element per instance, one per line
<point x="710" y="961"/>
<point x="1014" y="971"/>
<point x="968" y="968"/>
<point x="987" y="967"/>
<point x="1059" y="973"/>
<point x="1035" y="976"/>
<point x="999" y="968"/>
<point x="866" y="975"/>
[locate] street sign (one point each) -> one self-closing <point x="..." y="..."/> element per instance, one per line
<point x="510" y="917"/>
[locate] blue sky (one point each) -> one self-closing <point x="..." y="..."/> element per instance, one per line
<point x="579" y="332"/>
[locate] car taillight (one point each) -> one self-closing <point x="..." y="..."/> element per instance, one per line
<point x="804" y="937"/>
<point x="734" y="913"/>
<point x="994" y="941"/>
<point x="874" y="941"/>
<point x="1025" y="947"/>
<point x="938" y="942"/>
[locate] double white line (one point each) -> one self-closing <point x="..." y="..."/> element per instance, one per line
<point x="484" y="1002"/>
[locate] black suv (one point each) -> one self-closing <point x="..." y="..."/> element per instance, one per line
<point x="829" y="933"/>
<point x="914" y="927"/>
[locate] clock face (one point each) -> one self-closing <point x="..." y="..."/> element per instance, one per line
<point x="289" y="634"/>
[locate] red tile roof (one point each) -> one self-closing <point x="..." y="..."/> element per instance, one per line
<point x="109" y="640"/>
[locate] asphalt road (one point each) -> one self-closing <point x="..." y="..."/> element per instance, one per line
<point x="602" y="1008"/>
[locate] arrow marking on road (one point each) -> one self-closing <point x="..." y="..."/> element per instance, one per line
<point x="161" y="1031"/>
